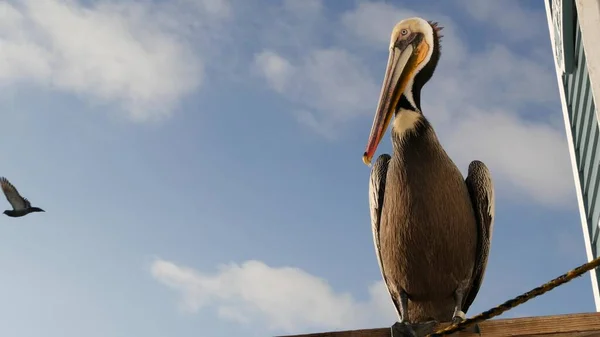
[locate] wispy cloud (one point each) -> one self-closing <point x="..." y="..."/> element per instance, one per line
<point x="511" y="18"/>
<point x="329" y="86"/>
<point x="109" y="52"/>
<point x="283" y="299"/>
<point x="529" y="156"/>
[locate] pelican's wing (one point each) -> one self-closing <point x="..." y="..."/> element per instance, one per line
<point x="376" y="193"/>
<point x="13" y="196"/>
<point x="481" y="189"/>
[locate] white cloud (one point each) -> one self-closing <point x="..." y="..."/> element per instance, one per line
<point x="330" y="85"/>
<point x="108" y="52"/>
<point x="276" y="70"/>
<point x="531" y="156"/>
<point x="281" y="298"/>
<point x="491" y="103"/>
<point x="498" y="76"/>
<point x="512" y="18"/>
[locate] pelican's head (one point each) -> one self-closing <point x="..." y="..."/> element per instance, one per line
<point x="414" y="53"/>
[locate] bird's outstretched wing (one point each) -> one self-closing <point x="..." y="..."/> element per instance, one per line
<point x="12" y="195"/>
<point x="376" y="193"/>
<point x="481" y="189"/>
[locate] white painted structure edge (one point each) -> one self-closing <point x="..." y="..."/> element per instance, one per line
<point x="561" y="90"/>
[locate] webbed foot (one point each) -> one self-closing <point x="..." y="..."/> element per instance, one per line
<point x="424" y="328"/>
<point x="405" y="329"/>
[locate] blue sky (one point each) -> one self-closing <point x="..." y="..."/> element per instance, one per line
<point x="200" y="166"/>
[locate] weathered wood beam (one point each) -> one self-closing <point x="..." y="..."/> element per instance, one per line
<point x="571" y="325"/>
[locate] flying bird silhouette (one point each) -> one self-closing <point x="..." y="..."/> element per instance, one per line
<point x="21" y="206"/>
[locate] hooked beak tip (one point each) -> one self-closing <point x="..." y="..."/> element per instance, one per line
<point x="366" y="159"/>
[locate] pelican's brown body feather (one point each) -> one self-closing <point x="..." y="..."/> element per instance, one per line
<point x="432" y="228"/>
<point x="428" y="231"/>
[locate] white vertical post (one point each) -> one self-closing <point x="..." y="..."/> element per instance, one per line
<point x="561" y="90"/>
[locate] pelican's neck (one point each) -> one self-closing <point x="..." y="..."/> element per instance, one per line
<point x="407" y="124"/>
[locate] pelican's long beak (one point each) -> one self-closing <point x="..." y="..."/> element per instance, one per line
<point x="402" y="63"/>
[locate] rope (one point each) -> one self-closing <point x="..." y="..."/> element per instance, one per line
<point x="570" y="275"/>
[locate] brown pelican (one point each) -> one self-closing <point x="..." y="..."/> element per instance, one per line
<point x="431" y="228"/>
<point x="21" y="206"/>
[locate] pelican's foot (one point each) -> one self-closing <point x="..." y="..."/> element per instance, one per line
<point x="424" y="328"/>
<point x="405" y="329"/>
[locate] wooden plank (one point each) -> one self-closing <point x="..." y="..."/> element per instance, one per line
<point x="571" y="325"/>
